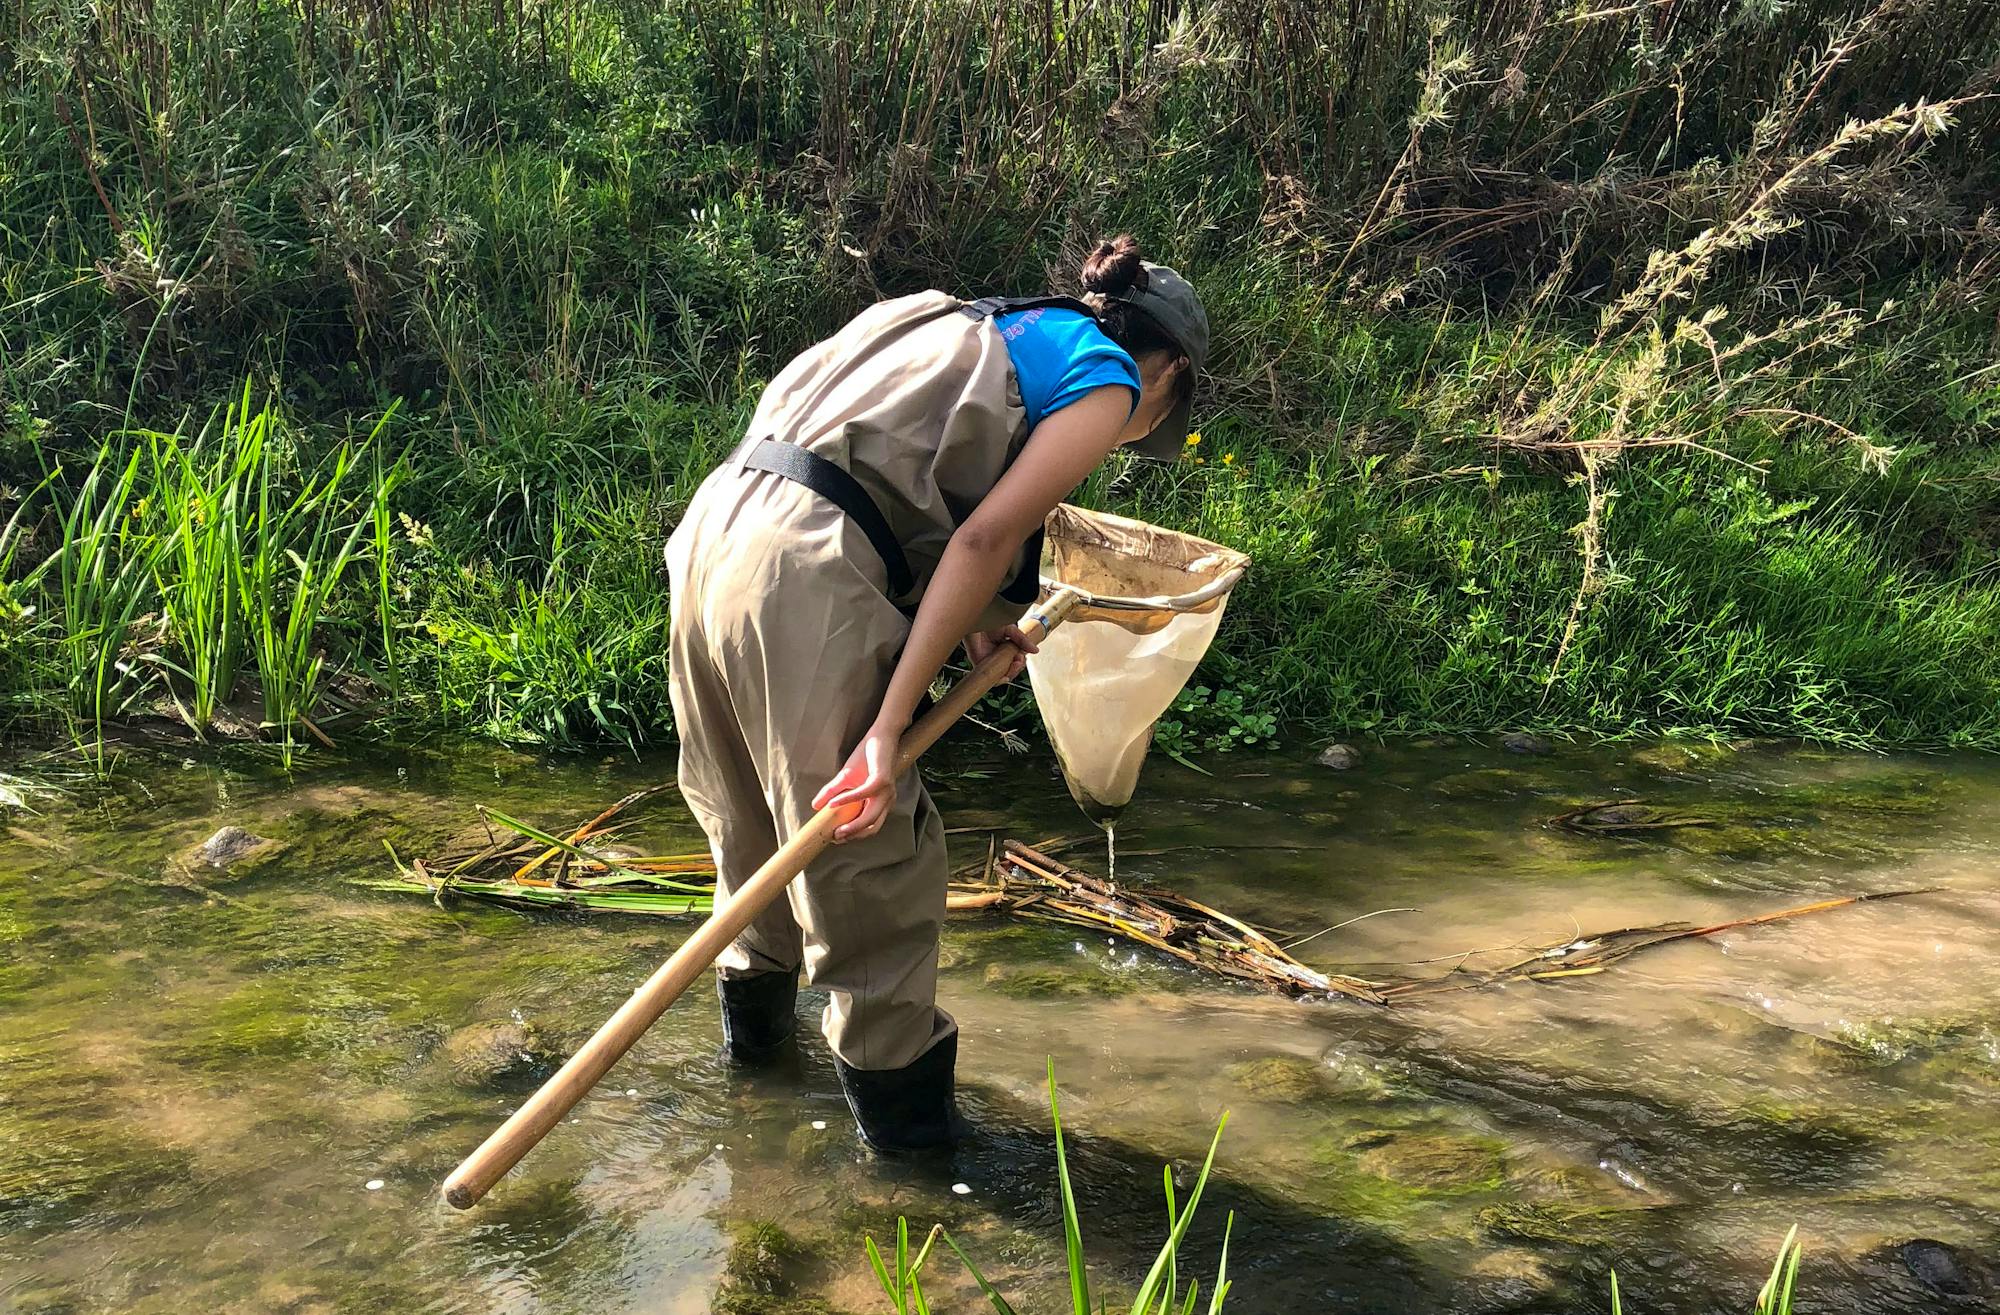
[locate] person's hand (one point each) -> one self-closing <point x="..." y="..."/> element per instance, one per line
<point x="866" y="784"/>
<point x="980" y="646"/>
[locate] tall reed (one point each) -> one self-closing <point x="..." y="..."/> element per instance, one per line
<point x="106" y="568"/>
<point x="193" y="567"/>
<point x="298" y="554"/>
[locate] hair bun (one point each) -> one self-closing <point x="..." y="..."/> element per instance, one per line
<point x="1114" y="267"/>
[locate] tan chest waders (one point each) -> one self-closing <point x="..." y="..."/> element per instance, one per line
<point x="793" y="572"/>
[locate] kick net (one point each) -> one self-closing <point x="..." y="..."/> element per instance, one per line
<point x="1153" y="599"/>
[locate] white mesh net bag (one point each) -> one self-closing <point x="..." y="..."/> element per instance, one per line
<point x="1153" y="599"/>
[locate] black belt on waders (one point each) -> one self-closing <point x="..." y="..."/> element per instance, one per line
<point x="832" y="482"/>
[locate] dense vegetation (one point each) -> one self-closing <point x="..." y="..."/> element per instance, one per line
<point x="1613" y="368"/>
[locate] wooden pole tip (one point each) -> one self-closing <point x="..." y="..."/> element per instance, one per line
<point x="459" y="1197"/>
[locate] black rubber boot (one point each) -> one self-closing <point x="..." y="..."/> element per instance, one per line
<point x="909" y="1108"/>
<point x="759" y="1016"/>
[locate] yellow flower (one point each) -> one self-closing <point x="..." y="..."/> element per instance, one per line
<point x="1229" y="458"/>
<point x="1194" y="439"/>
<point x="1201" y="461"/>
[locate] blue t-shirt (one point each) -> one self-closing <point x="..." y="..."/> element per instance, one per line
<point x="1060" y="355"/>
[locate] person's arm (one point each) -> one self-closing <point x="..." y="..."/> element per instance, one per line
<point x="1064" y="449"/>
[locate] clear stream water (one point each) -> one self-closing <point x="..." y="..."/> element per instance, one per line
<point x="198" y="1090"/>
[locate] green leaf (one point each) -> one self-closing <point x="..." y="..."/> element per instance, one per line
<point x="1776" y="1296"/>
<point x="1079" y="1280"/>
<point x="1222" y="1267"/>
<point x="1000" y="1306"/>
<point x="882" y="1275"/>
<point x="1147" y="1290"/>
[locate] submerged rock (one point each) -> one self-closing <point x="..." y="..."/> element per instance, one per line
<point x="1549" y="1222"/>
<point x="766" y="1270"/>
<point x="760" y="1253"/>
<point x="1367" y="1076"/>
<point x="1494" y="783"/>
<point x="1526" y="744"/>
<point x="741" y="1301"/>
<point x="1278" y="1077"/>
<point x="1025" y="982"/>
<point x="1806" y="1122"/>
<point x="1339" y="757"/>
<point x="1397" y="1176"/>
<point x="1511" y="1279"/>
<point x="487" y="1053"/>
<point x="809" y="1147"/>
<point x="231" y="848"/>
<point x="1433" y="1161"/>
<point x="1620" y="1160"/>
<point x="1941" y="1268"/>
<point x="1884" y="1041"/>
<point x="1937" y="1266"/>
<point x="1904" y="794"/>
<point x="1679" y="755"/>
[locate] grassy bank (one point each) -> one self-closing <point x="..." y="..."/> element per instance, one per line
<point x="1618" y="371"/>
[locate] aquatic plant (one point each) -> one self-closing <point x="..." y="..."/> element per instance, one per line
<point x="105" y="567"/>
<point x="189" y="567"/>
<point x="1159" y="1292"/>
<point x="1774" y="1298"/>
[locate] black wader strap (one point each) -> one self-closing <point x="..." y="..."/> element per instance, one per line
<point x="841" y="489"/>
<point x="1026" y="587"/>
<point x="823" y="477"/>
<point x="989" y="306"/>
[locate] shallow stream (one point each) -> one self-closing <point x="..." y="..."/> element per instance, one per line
<point x="237" y="1092"/>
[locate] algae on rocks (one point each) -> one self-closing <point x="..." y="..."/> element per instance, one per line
<point x="232" y="850"/>
<point x="1553" y="1223"/>
<point x="496" y="1052"/>
<point x="1287" y="1078"/>
<point x="1432" y="1160"/>
<point x="1085" y="979"/>
<point x="767" y="1272"/>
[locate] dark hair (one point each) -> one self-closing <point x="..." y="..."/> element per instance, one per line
<point x="1113" y="268"/>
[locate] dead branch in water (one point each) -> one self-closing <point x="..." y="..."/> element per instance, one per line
<point x="1032" y="885"/>
<point x="575" y="869"/>
<point x="1586" y="956"/>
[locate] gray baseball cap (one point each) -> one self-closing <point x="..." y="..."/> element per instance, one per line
<point x="1169" y="300"/>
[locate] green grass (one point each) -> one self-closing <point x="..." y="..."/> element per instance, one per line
<point x="105" y="573"/>
<point x="1159" y="1293"/>
<point x="1591" y="376"/>
<point x="190" y="569"/>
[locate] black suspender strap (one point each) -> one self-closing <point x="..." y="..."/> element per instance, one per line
<point x="1025" y="587"/>
<point x="845" y="492"/>
<point x="987" y="307"/>
<point x="842" y="490"/>
<point x="794" y="463"/>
